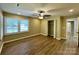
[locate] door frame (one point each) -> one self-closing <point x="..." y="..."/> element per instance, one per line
<point x="72" y="19"/>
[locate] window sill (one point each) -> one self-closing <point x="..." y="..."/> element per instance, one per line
<point x="15" y="33"/>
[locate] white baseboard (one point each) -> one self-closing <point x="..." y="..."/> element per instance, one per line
<point x="21" y="38"/>
<point x="58" y="38"/>
<point x="63" y="38"/>
<point x="1" y="46"/>
<point x="54" y="36"/>
<point x="43" y="34"/>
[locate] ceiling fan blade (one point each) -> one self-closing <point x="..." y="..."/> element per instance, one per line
<point x="35" y="14"/>
<point x="50" y="10"/>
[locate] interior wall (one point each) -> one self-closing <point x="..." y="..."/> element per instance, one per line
<point x="63" y="27"/>
<point x="59" y="27"/>
<point x="58" y="36"/>
<point x="44" y="27"/>
<point x="78" y="32"/>
<point x="34" y="28"/>
<point x="76" y="27"/>
<point x="37" y="26"/>
<point x="1" y="25"/>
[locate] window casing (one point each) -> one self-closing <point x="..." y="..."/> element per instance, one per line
<point x="23" y="25"/>
<point x="14" y="25"/>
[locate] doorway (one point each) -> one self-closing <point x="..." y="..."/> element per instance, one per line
<point x="51" y="28"/>
<point x="70" y="28"/>
<point x="71" y="31"/>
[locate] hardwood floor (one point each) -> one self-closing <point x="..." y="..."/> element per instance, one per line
<point x="40" y="45"/>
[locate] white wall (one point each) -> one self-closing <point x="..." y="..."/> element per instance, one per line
<point x="76" y="26"/>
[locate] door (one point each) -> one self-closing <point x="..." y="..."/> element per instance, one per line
<point x="51" y="28"/>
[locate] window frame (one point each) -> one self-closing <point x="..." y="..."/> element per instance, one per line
<point x="18" y="27"/>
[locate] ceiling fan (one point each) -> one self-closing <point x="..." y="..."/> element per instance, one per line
<point x="41" y="14"/>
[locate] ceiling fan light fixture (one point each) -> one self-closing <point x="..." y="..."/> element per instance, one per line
<point x="40" y="17"/>
<point x="42" y="14"/>
<point x="18" y="13"/>
<point x="71" y="10"/>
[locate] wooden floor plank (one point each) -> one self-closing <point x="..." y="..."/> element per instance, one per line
<point x="40" y="45"/>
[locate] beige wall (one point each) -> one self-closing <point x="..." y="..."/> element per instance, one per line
<point x="78" y="24"/>
<point x="1" y="25"/>
<point x="58" y="36"/>
<point x="37" y="26"/>
<point x="59" y="27"/>
<point x="44" y="27"/>
<point x="63" y="27"/>
<point x="34" y="28"/>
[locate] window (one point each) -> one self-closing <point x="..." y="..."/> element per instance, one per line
<point x="23" y="25"/>
<point x="11" y="25"/>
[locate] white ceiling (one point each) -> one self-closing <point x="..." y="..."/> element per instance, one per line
<point x="29" y="9"/>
